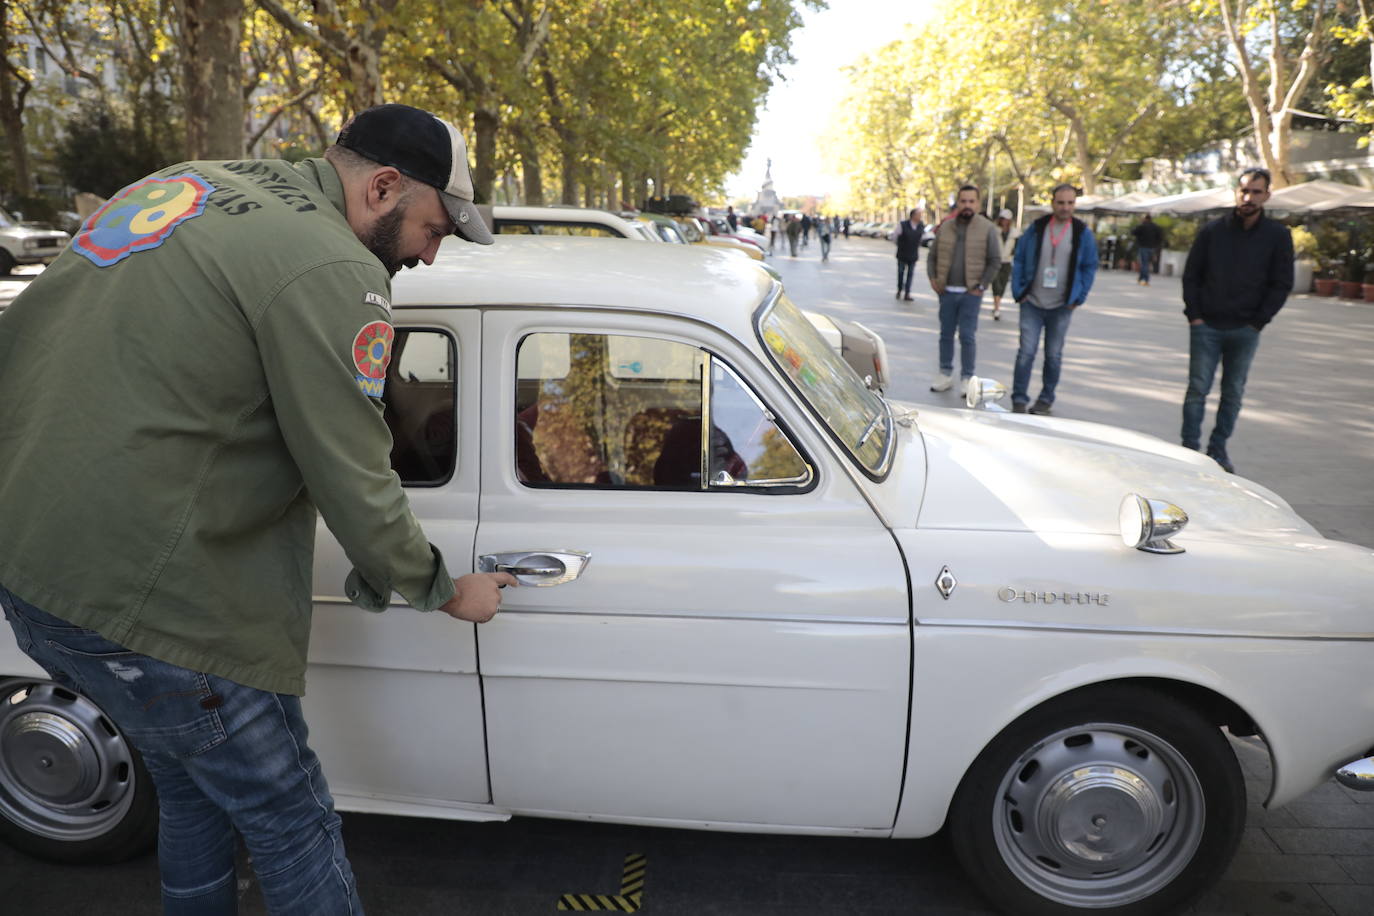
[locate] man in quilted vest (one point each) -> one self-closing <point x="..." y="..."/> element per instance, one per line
<point x="964" y="258"/>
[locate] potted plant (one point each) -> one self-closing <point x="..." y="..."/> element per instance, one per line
<point x="1368" y="284"/>
<point x="1304" y="259"/>
<point x="1352" y="282"/>
<point x="1332" y="244"/>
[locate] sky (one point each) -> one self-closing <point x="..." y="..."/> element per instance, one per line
<point x="799" y="105"/>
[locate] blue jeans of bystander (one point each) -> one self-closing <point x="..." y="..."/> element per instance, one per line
<point x="905" y="271"/>
<point x="1235" y="349"/>
<point x="959" y="312"/>
<point x="1146" y="256"/>
<point x="1055" y="325"/>
<point x="223" y="757"/>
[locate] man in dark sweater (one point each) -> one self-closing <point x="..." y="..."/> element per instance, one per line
<point x="1239" y="272"/>
<point x="1148" y="239"/>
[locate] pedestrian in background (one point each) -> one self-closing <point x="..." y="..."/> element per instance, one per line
<point x="256" y="294"/>
<point x="1148" y="239"/>
<point x="731" y="218"/>
<point x="1008" y="234"/>
<point x="1052" y="276"/>
<point x="793" y="229"/>
<point x="1238" y="275"/>
<point x="963" y="260"/>
<point x="823" y="234"/>
<point x="774" y="227"/>
<point x="846" y="227"/>
<point x="805" y="228"/>
<point x="907" y="235"/>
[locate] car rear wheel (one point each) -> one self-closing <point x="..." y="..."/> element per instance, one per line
<point x="1115" y="801"/>
<point x="72" y="789"/>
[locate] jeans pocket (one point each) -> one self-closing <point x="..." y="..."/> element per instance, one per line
<point x="162" y="707"/>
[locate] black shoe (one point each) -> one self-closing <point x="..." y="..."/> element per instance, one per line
<point x="1040" y="408"/>
<point x="1018" y="406"/>
<point x="1218" y="454"/>
<point x="899" y="294"/>
<point x="908" y="298"/>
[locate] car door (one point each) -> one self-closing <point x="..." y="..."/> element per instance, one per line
<point x="393" y="699"/>
<point x="729" y="637"/>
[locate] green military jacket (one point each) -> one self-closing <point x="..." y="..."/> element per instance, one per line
<point x="183" y="388"/>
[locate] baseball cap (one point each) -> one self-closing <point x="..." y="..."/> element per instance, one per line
<point x="1005" y="214"/>
<point x="421" y="146"/>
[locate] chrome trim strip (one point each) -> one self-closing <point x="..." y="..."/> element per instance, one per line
<point x="750" y="618"/>
<point x="1144" y="631"/>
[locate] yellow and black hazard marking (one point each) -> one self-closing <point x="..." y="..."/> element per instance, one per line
<point x="630" y="898"/>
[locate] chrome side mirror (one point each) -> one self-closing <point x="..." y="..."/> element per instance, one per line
<point x="984" y="392"/>
<point x="1147" y="524"/>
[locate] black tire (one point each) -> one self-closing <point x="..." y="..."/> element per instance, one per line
<point x="72" y="789"/>
<point x="1119" y="801"/>
<point x="7" y="263"/>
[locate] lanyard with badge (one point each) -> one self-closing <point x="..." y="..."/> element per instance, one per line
<point x="1050" y="278"/>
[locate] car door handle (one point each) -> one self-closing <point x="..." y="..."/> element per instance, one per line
<point x="540" y="568"/>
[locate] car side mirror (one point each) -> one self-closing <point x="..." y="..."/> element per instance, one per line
<point x="984" y="393"/>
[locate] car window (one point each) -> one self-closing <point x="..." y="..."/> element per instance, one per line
<point x="420" y="397"/>
<point x="857" y="418"/>
<point x="620" y="411"/>
<point x="505" y="227"/>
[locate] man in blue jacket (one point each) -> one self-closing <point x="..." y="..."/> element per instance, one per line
<point x="1051" y="276"/>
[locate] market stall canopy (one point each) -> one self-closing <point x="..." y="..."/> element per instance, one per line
<point x="1126" y="203"/>
<point x="1318" y="196"/>
<point x="1189" y="202"/>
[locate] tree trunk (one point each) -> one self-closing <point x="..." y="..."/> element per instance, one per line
<point x="485" y="123"/>
<point x="14" y="91"/>
<point x="213" y="73"/>
<point x="568" y="193"/>
<point x="530" y="169"/>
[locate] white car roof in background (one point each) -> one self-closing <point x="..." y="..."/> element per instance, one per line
<point x="695" y="280"/>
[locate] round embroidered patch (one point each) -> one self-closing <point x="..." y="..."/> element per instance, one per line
<point x="372" y="350"/>
<point x="140" y="217"/>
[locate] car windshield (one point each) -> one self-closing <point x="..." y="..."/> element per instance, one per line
<point x="6" y="221"/>
<point x="855" y="416"/>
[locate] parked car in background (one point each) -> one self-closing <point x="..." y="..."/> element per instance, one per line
<point x="861" y="347"/>
<point x="21" y="244"/>
<point x="698" y="232"/>
<point x="521" y="220"/>
<point x="804" y="608"/>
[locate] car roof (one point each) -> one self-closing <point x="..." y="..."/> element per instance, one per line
<point x="715" y="285"/>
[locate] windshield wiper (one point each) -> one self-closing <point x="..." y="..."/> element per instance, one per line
<point x="868" y="431"/>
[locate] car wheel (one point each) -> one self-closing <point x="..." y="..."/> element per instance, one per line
<point x="7" y="263"/>
<point x="1115" y="801"/>
<point x="72" y="789"/>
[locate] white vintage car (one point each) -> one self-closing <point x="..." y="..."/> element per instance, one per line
<point x="758" y="597"/>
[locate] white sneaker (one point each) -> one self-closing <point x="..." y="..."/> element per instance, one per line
<point x="942" y="383"/>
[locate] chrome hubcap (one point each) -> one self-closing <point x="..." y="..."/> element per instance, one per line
<point x="1099" y="815"/>
<point x="65" y="771"/>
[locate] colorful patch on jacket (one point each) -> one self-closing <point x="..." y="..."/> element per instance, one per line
<point x="371" y="356"/>
<point x="140" y="217"/>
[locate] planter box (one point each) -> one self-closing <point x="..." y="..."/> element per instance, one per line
<point x="1352" y="290"/>
<point x="1302" y="276"/>
<point x="1171" y="262"/>
<point x="1325" y="286"/>
<point x="1369" y="292"/>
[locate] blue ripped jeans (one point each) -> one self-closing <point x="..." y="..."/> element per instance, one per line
<point x="223" y="757"/>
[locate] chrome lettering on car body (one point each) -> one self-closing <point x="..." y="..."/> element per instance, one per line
<point x="1009" y="594"/>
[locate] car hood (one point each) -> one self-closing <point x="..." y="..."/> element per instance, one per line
<point x="990" y="470"/>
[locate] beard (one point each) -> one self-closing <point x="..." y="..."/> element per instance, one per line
<point x="384" y="241"/>
<point x="965" y="215"/>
